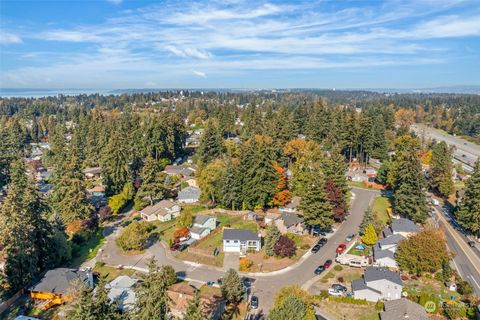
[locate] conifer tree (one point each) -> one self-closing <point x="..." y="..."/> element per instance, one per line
<point x="231" y="186"/>
<point x="315" y="205"/>
<point x="441" y="169"/>
<point x="292" y="308"/>
<point x="468" y="214"/>
<point x="153" y="183"/>
<point x="379" y="147"/>
<point x="232" y="287"/>
<point x="116" y="172"/>
<point x="334" y="169"/>
<point x="370" y="236"/>
<point x="271" y="238"/>
<point x="211" y="144"/>
<point x="194" y="309"/>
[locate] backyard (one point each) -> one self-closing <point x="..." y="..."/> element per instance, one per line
<point x="380" y="205"/>
<point x="87" y="250"/>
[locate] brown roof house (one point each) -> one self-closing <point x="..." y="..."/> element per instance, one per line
<point x="290" y="222"/>
<point x="180" y="294"/>
<point x="164" y="210"/>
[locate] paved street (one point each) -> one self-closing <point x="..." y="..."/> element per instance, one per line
<point x="265" y="285"/>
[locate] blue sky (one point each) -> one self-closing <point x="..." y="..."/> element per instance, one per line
<point x="114" y="44"/>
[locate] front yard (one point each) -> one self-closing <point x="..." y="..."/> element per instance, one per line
<point x="380" y="205"/>
<point x="87" y="250"/>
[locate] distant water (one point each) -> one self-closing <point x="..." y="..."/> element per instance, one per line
<point x="39" y="93"/>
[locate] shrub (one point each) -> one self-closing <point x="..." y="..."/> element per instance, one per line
<point x="454" y="310"/>
<point x="379" y="305"/>
<point x="119" y="201"/>
<point x="245" y="264"/>
<point x="350" y="300"/>
<point x="428" y="276"/>
<point x="464" y="288"/>
<point x="340" y="279"/>
<point x="329" y="275"/>
<point x="285" y="247"/>
<point x="323" y="294"/>
<point x="134" y="236"/>
<point x="338" y="268"/>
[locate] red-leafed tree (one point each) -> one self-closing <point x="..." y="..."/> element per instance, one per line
<point x="337" y="200"/>
<point x="285" y="247"/>
<point x="181" y="233"/>
<point x="282" y="196"/>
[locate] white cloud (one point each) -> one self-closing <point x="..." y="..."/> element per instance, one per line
<point x="199" y="73"/>
<point x="115" y="1"/>
<point x="9" y="38"/>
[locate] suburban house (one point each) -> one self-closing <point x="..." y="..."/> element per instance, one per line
<point x="180" y="294"/>
<point x="403" y="226"/>
<point x="189" y="195"/>
<point x="240" y="240"/>
<point x="92" y="173"/>
<point x="121" y="290"/>
<point x="202" y="226"/>
<point x="164" y="210"/>
<point x="384" y="251"/>
<point x="401" y="309"/>
<point x="52" y="289"/>
<point x="182" y="171"/>
<point x="292" y="205"/>
<point x="290" y="222"/>
<point x="271" y="215"/>
<point x="378" y="284"/>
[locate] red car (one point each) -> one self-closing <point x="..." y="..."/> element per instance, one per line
<point x="341" y="247"/>
<point x="327" y="264"/>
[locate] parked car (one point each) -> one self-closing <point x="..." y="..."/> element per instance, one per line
<point x="339" y="287"/>
<point x="175" y="246"/>
<point x="319" y="270"/>
<point x="327" y="264"/>
<point x="323" y="241"/>
<point x="333" y="292"/>
<point x="350" y="237"/>
<point x="210" y="283"/>
<point x="471" y="243"/>
<point x="316" y="248"/>
<point x="182" y="247"/>
<point x="254" y="302"/>
<point x="341" y="247"/>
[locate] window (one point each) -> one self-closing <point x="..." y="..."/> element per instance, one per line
<point x="252" y="243"/>
<point x="235" y="241"/>
<point x="227" y="241"/>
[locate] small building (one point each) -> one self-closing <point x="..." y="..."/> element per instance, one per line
<point x="121" y="290"/>
<point x="240" y="240"/>
<point x="271" y="215"/>
<point x="290" y="222"/>
<point x="189" y="195"/>
<point x="53" y="287"/>
<point x="401" y="309"/>
<point x="251" y="215"/>
<point x="405" y="227"/>
<point x="164" y="210"/>
<point x="292" y="205"/>
<point x="384" y="251"/>
<point x="378" y="284"/>
<point x="202" y="226"/>
<point x="182" y="171"/>
<point x="180" y="294"/>
<point x="451" y="285"/>
<point x="92" y="173"/>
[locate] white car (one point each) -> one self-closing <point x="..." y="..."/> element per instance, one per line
<point x="334" y="292"/>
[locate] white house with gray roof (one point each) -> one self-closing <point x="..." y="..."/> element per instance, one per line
<point x="164" y="210"/>
<point x="403" y="226"/>
<point x="202" y="226"/>
<point x="240" y="240"/>
<point x="189" y="195"/>
<point x="122" y="291"/>
<point x="378" y="284"/>
<point x="384" y="251"/>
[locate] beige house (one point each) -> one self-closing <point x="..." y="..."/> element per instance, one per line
<point x="290" y="222"/>
<point x="164" y="210"/>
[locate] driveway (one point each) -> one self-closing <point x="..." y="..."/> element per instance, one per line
<point x="266" y="285"/>
<point x="231" y="260"/>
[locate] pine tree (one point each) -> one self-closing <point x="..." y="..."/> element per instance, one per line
<point x="315" y="205"/>
<point x="408" y="181"/>
<point x="334" y="169"/>
<point x="370" y="236"/>
<point x="231" y="186"/>
<point x="292" y="308"/>
<point x="194" y="309"/>
<point x="441" y="169"/>
<point x="82" y="308"/>
<point x="232" y="287"/>
<point x="380" y="147"/>
<point x="271" y="238"/>
<point x="153" y="183"/>
<point x="116" y="172"/>
<point x="211" y="144"/>
<point x="468" y="214"/>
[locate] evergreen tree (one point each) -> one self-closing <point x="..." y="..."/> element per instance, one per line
<point x="231" y="186"/>
<point x="292" y="308"/>
<point x="370" y="236"/>
<point x="379" y="147"/>
<point x="366" y="137"/>
<point x="334" y="169"/>
<point x="271" y="238"/>
<point x="441" y="169"/>
<point x="315" y="204"/>
<point x="153" y="182"/>
<point x="408" y="181"/>
<point x="82" y="308"/>
<point x="468" y="214"/>
<point x="194" y="309"/>
<point x="232" y="287"/>
<point x="116" y="172"/>
<point x="211" y="144"/>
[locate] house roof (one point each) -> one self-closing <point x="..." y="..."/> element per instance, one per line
<point x="93" y="170"/>
<point x="377" y="273"/>
<point x="180" y="170"/>
<point x="58" y="280"/>
<point x="393" y="239"/>
<point x="183" y="288"/>
<point x="202" y="218"/>
<point x="240" y="234"/>
<point x="97" y="188"/>
<point x="387" y="232"/>
<point x="293" y="203"/>
<point x="378" y="253"/>
<point x="404" y="225"/>
<point x="197" y="230"/>
<point x="158" y="208"/>
<point x="359" y="284"/>
<point x="401" y="309"/>
<point x="189" y="193"/>
<point x="121" y="290"/>
<point x="290" y="219"/>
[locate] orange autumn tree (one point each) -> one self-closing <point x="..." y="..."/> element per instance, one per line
<point x="283" y="195"/>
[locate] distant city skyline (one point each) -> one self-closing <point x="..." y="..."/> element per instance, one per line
<point x="125" y="44"/>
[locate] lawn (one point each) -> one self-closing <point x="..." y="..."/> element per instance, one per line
<point x="340" y="311"/>
<point x="193" y="208"/>
<point x="357" y="252"/>
<point x="111" y="273"/>
<point x="380" y="205"/>
<point x="165" y="229"/>
<point x="88" y="249"/>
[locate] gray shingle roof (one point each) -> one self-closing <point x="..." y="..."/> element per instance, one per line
<point x="393" y="239"/>
<point x="197" y="230"/>
<point x="58" y="280"/>
<point x="189" y="193"/>
<point x="387" y="232"/>
<point x="379" y="253"/>
<point x="158" y="208"/>
<point x="290" y="219"/>
<point x="376" y="273"/>
<point x="293" y="203"/>
<point x="401" y="309"/>
<point x="404" y="225"/>
<point x="240" y="234"/>
<point x="359" y="284"/>
<point x="201" y="218"/>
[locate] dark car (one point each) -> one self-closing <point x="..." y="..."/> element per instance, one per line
<point x="339" y="287"/>
<point x="254" y="302"/>
<point x="182" y="247"/>
<point x="316" y="248"/>
<point x="175" y="246"/>
<point x="327" y="263"/>
<point x="319" y="270"/>
<point x="471" y="243"/>
<point x="322" y="241"/>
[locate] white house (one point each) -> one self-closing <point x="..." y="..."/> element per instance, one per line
<point x="403" y="226"/>
<point x="240" y="240"/>
<point x="121" y="290"/>
<point x="189" y="195"/>
<point x="384" y="251"/>
<point x="378" y="284"/>
<point x="202" y="226"/>
<point x="164" y="210"/>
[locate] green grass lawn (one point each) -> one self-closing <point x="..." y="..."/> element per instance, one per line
<point x="88" y="249"/>
<point x="111" y="273"/>
<point x="357" y="252"/>
<point x="193" y="208"/>
<point x="380" y="205"/>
